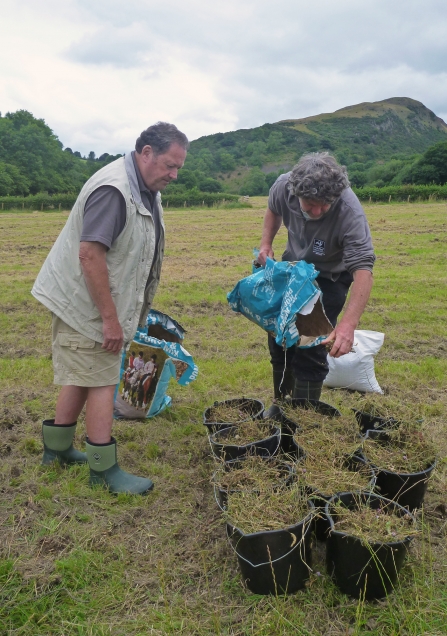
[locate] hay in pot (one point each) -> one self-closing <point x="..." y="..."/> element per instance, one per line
<point x="252" y="473"/>
<point x="327" y="475"/>
<point x="373" y="525"/>
<point x="404" y="450"/>
<point x="332" y="437"/>
<point x="273" y="509"/>
<point x="230" y="411"/>
<point x="250" y="431"/>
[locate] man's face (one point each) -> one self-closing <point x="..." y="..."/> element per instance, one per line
<point x="315" y="209"/>
<point x="159" y="170"/>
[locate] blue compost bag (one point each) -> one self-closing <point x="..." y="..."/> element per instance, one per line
<point x="273" y="297"/>
<point x="154" y="356"/>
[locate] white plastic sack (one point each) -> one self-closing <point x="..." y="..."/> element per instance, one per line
<point x="355" y="370"/>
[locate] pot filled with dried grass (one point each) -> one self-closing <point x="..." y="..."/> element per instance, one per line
<point x="270" y="534"/>
<point x="376" y="412"/>
<point x="326" y="475"/>
<point x="250" y="474"/>
<point x="231" y="412"/>
<point x="296" y="413"/>
<point x="404" y="460"/>
<point x="253" y="437"/>
<point x="367" y="544"/>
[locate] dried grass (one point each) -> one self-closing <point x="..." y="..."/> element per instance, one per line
<point x="252" y="473"/>
<point x="331" y="438"/>
<point x="250" y="431"/>
<point x="329" y="476"/>
<point x="405" y="450"/>
<point x="381" y="525"/>
<point x="273" y="509"/>
<point x="228" y="413"/>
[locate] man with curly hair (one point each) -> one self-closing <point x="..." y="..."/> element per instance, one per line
<point x="327" y="227"/>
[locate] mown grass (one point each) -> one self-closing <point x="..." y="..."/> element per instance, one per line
<point x="76" y="561"/>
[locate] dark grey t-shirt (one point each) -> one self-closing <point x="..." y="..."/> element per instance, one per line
<point x="105" y="212"/>
<point x="339" y="241"/>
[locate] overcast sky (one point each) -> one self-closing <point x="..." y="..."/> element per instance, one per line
<point x="100" y="71"/>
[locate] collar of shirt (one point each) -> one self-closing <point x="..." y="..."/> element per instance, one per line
<point x="143" y="188"/>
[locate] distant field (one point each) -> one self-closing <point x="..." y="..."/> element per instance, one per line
<point x="79" y="562"/>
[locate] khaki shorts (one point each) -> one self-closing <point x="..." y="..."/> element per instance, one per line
<point x="80" y="361"/>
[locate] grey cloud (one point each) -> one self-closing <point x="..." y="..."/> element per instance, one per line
<point x="271" y="62"/>
<point x="122" y="48"/>
<point x="345" y="34"/>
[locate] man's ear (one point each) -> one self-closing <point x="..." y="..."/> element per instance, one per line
<point x="147" y="153"/>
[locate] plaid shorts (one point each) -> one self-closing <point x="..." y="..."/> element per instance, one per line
<point x="80" y="361"/>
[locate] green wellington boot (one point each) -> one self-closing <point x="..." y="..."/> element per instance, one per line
<point x="58" y="444"/>
<point x="104" y="471"/>
<point x="307" y="390"/>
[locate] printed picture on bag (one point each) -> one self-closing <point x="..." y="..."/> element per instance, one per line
<point x="142" y="369"/>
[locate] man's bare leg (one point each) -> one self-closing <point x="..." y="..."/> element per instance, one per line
<point x="99" y="414"/>
<point x="70" y="403"/>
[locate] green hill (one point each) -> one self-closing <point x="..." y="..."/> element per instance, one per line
<point x="382" y="143"/>
<point x="362" y="137"/>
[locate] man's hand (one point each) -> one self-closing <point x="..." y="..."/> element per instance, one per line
<point x="113" y="336"/>
<point x="342" y="337"/>
<point x="265" y="252"/>
<point x="340" y="340"/>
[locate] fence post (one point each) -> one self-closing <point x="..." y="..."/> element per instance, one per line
<point x="203" y="204"/>
<point x="408" y="198"/>
<point x="370" y="199"/>
<point x="41" y="206"/>
<point x="389" y="200"/>
<point x="184" y="204"/>
<point x="59" y="206"/>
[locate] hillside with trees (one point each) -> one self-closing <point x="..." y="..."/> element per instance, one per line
<point x="390" y="143"/>
<point x="381" y="143"/>
<point x="32" y="158"/>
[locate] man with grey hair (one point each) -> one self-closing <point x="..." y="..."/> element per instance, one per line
<point x="98" y="281"/>
<point x="327" y="227"/>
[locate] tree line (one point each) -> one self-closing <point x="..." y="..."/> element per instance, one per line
<point x="246" y="162"/>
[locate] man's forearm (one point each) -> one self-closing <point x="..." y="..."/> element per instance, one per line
<point x="272" y="223"/>
<point x="94" y="267"/>
<point x="358" y="297"/>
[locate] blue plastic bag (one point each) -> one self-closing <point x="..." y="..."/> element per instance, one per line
<point x="148" y="366"/>
<point x="273" y="296"/>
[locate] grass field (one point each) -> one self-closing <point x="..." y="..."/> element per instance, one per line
<point x="79" y="562"/>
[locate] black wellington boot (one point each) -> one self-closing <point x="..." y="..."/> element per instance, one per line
<point x="283" y="384"/>
<point x="307" y="390"/>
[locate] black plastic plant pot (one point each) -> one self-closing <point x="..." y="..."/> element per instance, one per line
<point x="226" y="450"/>
<point x="364" y="571"/>
<point x="277" y="561"/>
<point x="289" y="428"/>
<point x="367" y="422"/>
<point x="408" y="489"/>
<point x="286" y="478"/>
<point x="251" y="409"/>
<point x="322" y="525"/>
